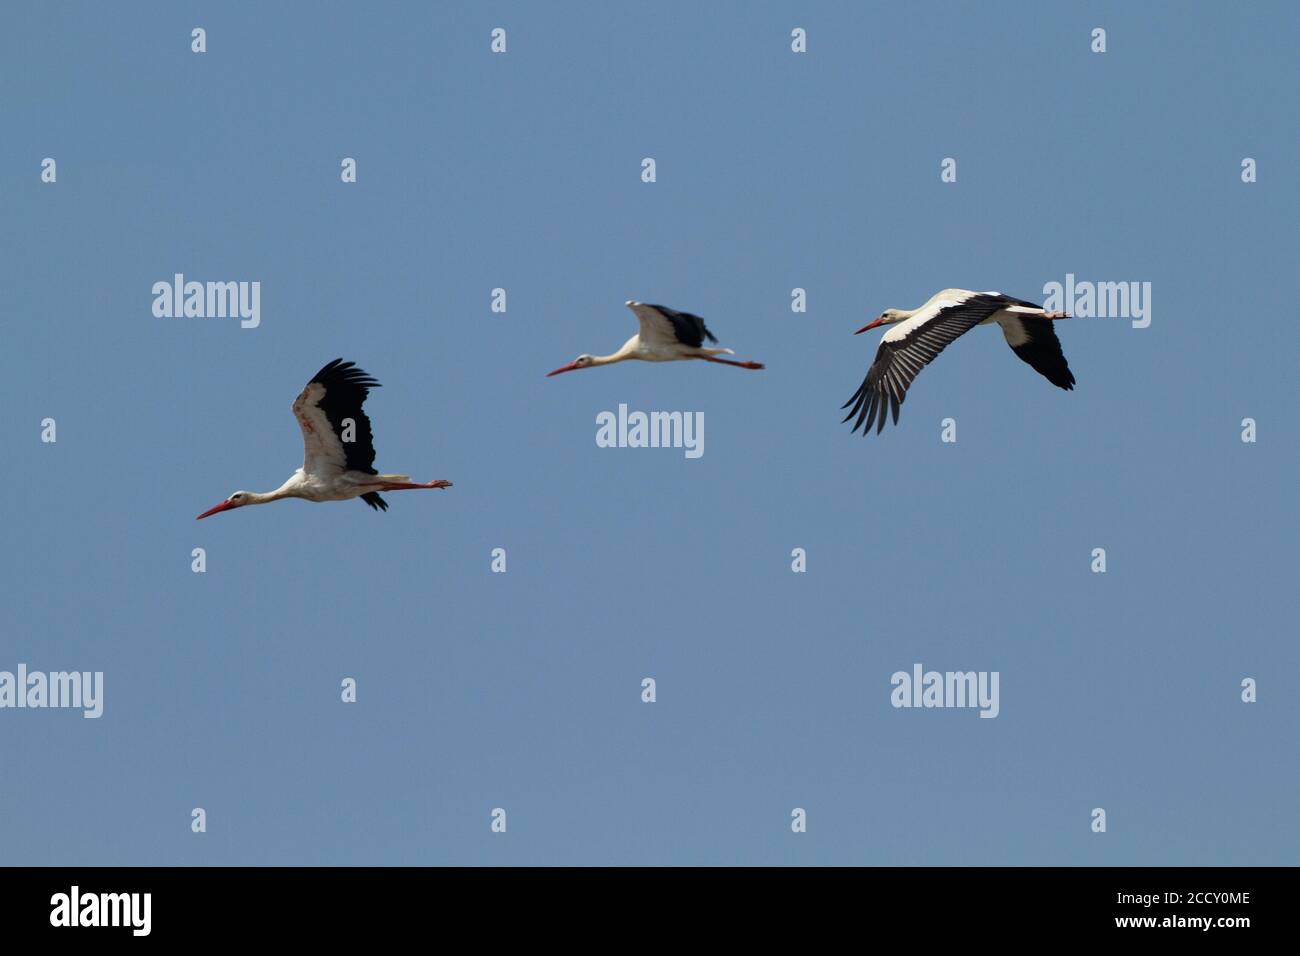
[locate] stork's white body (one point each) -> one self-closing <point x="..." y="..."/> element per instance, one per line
<point x="665" y="335"/>
<point x="1011" y="318"/>
<point x="325" y="475"/>
<point x="657" y="351"/>
<point x="338" y="448"/>
<point x="657" y="340"/>
<point x="317" y="486"/>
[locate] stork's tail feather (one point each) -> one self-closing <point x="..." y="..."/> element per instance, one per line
<point x="394" y="478"/>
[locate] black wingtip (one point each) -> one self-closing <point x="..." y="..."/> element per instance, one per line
<point x="345" y="373"/>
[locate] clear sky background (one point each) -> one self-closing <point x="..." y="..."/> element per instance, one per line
<point x="522" y="690"/>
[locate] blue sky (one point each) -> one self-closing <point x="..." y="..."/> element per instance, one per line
<point x="522" y="690"/>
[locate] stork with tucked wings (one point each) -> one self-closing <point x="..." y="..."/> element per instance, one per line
<point x="666" y="335"/>
<point x="338" y="447"/>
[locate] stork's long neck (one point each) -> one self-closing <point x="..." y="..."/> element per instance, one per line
<point x="287" y="490"/>
<point x="622" y="355"/>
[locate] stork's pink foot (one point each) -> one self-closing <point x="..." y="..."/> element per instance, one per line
<point x="720" y="361"/>
<point x="410" y="486"/>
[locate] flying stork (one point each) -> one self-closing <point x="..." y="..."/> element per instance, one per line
<point x="666" y="336"/>
<point x="338" y="447"/>
<point x="921" y="334"/>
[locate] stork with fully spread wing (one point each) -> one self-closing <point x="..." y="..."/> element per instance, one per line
<point x="338" y="447"/>
<point x="919" y="335"/>
<point x="666" y="336"/>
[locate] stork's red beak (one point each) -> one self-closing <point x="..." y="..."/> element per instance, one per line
<point x="567" y="368"/>
<point x="224" y="506"/>
<point x="869" y="326"/>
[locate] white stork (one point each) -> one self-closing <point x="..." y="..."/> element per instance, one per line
<point x="338" y="447"/>
<point x="666" y="336"/>
<point x="921" y="334"/>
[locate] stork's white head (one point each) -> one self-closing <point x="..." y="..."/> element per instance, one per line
<point x="237" y="500"/>
<point x="582" y="361"/>
<point x="888" y="317"/>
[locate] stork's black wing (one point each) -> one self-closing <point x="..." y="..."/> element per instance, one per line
<point x="688" y="329"/>
<point x="339" y="390"/>
<point x="1035" y="341"/>
<point x="909" y="347"/>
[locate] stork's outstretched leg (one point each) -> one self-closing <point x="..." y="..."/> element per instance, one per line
<point x="753" y="365"/>
<point x="411" y="486"/>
